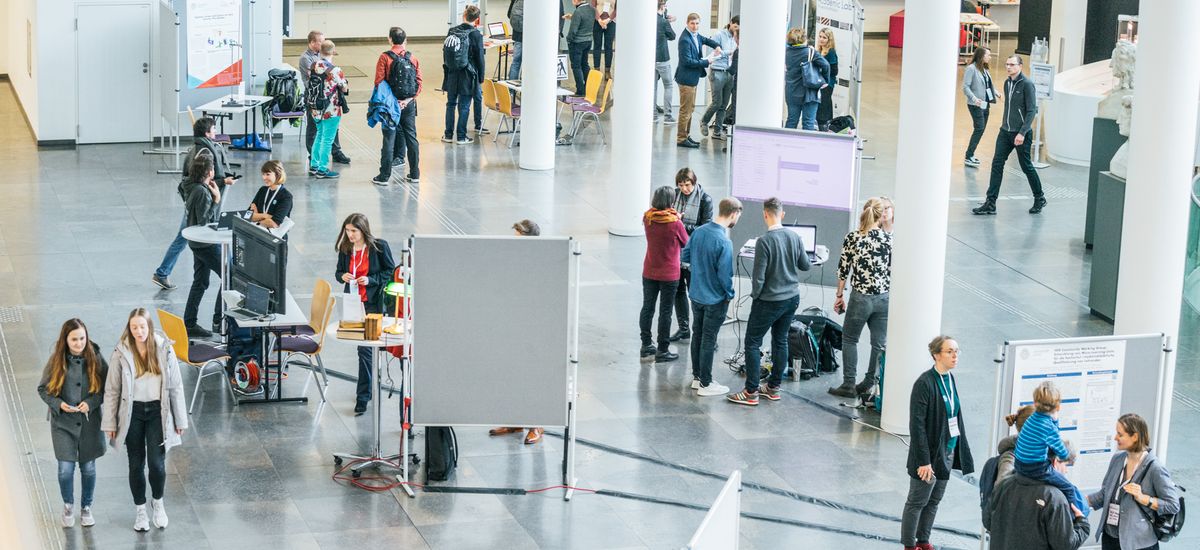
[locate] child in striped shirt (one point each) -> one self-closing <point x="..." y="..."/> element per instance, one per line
<point x="1038" y="438"/>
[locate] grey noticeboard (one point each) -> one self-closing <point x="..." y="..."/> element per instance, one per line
<point x="492" y="326"/>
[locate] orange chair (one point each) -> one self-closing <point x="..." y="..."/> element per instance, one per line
<point x="489" y="99"/>
<point x="582" y="111"/>
<point x="201" y="356"/>
<point x="508" y="112"/>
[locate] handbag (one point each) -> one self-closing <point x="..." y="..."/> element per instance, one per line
<point x="810" y="76"/>
<point x="1166" y="526"/>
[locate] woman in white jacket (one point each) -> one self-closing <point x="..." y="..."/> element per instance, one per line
<point x="146" y="410"/>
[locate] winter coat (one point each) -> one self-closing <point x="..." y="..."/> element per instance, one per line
<point x="118" y="392"/>
<point x="77" y="437"/>
<point x="384" y="108"/>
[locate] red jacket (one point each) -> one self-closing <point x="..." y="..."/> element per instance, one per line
<point x="664" y="241"/>
<point x="385" y="64"/>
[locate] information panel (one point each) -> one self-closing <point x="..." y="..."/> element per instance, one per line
<point x="800" y="168"/>
<point x="214" y="43"/>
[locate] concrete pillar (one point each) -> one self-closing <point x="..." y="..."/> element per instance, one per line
<point x="1161" y="153"/>
<point x="923" y="159"/>
<point x="760" y="67"/>
<point x="1068" y="23"/>
<point x="632" y="124"/>
<point x="538" y="83"/>
<point x="17" y="518"/>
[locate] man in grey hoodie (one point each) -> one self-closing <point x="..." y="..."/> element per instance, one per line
<point x="1027" y="514"/>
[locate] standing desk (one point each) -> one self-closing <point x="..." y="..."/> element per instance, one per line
<point x="246" y="106"/>
<point x="275" y="325"/>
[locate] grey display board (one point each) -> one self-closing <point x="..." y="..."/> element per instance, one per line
<point x="493" y="321"/>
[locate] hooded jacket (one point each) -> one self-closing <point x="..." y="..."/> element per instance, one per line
<point x="118" y="393"/>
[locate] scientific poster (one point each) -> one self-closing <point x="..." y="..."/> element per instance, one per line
<point x="1089" y="376"/>
<point x="842" y="17"/>
<point x="214" y="43"/>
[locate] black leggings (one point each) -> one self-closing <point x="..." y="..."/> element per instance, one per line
<point x="1110" y="543"/>
<point x="144" y="442"/>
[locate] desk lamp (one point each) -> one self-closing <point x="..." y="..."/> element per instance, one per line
<point x="399" y="289"/>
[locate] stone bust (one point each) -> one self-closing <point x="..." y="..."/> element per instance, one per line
<point x="1123" y="64"/>
<point x="1119" y="165"/>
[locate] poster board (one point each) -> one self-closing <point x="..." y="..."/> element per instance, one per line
<point x="720" y="529"/>
<point x="845" y="18"/>
<point x="801" y="168"/>
<point x="214" y="43"/>
<point x="457" y="7"/>
<point x="1042" y="75"/>
<point x="1100" y="378"/>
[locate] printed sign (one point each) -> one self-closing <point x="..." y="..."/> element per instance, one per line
<point x="1042" y="75"/>
<point x="214" y="43"/>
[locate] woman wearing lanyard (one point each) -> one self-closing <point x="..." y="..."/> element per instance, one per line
<point x="365" y="266"/>
<point x="938" y="444"/>
<point x="980" y="94"/>
<point x="272" y="203"/>
<point x="1135" y="488"/>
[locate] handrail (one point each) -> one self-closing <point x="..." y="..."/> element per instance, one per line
<point x="1195" y="186"/>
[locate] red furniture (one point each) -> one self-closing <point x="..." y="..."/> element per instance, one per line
<point x="896" y="30"/>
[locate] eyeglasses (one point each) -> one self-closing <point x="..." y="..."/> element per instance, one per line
<point x="1012" y="64"/>
<point x="951" y="351"/>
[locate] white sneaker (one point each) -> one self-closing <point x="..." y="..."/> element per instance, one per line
<point x="141" y="522"/>
<point x="695" y="383"/>
<point x="68" y="515"/>
<point x="160" y="513"/>
<point x="85" y="517"/>
<point x="712" y="389"/>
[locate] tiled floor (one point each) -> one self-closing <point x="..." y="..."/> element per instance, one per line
<point x="81" y="231"/>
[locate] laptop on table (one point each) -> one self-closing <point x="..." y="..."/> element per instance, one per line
<point x="253" y="306"/>
<point x="496" y="31"/>
<point x="808" y="235"/>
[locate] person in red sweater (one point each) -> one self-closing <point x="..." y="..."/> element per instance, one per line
<point x="665" y="238"/>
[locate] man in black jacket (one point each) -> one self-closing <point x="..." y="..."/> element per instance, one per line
<point x="695" y="208"/>
<point x="462" y="85"/>
<point x="202" y="206"/>
<point x="662" y="63"/>
<point x="1020" y="109"/>
<point x="1026" y="514"/>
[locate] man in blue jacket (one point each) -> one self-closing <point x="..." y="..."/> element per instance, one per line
<point x="688" y="74"/>
<point x="710" y="253"/>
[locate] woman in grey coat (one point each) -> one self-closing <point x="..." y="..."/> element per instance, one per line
<point x="1136" y="487"/>
<point x="73" y="386"/>
<point x="977" y="88"/>
<point x="147" y="411"/>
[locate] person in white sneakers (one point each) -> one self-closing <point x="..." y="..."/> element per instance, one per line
<point x="73" y="386"/>
<point x="710" y="254"/>
<point x="151" y="415"/>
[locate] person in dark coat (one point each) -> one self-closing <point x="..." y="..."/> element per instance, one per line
<point x="72" y="386"/>
<point x="802" y="100"/>
<point x="462" y="85"/>
<point x="1030" y="514"/>
<point x="692" y="67"/>
<point x="202" y="206"/>
<point x="938" y="444"/>
<point x="364" y="267"/>
<point x="695" y="208"/>
<point x="827" y="47"/>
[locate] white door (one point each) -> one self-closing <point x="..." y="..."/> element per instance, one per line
<point x="112" y="47"/>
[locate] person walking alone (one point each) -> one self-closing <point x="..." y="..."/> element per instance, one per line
<point x="1020" y="109"/>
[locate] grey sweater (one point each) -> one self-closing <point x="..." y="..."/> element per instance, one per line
<point x="779" y="258"/>
<point x="582" y="22"/>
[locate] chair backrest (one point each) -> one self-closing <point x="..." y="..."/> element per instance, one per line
<point x="504" y="104"/>
<point x="594" y="79"/>
<point x="320" y="302"/>
<point x="489" y="94"/>
<point x="326" y="318"/>
<point x="192" y="116"/>
<point x="603" y="105"/>
<point x="176" y="331"/>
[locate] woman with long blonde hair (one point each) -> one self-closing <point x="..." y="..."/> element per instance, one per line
<point x="827" y="47"/>
<point x="148" y="413"/>
<point x="866" y="263"/>
<point x="73" y="386"/>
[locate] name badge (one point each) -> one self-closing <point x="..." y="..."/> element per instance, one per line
<point x="990" y="95"/>
<point x="1114" y="514"/>
<point x="954" y="427"/>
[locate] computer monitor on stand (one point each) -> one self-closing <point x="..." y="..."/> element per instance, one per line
<point x="259" y="258"/>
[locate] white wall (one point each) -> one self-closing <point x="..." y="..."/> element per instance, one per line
<point x="21" y="12"/>
<point x="372" y="18"/>
<point x="4" y="9"/>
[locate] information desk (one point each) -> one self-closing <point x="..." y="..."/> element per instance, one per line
<point x="212" y="235"/>
<point x="275" y="326"/>
<point x="246" y="106"/>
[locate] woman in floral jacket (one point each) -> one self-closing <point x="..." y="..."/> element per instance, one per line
<point x="327" y="110"/>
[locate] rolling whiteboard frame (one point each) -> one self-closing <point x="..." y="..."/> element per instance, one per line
<point x="456" y="8"/>
<point x="518" y="299"/>
<point x="833" y="13"/>
<point x="1143" y="380"/>
<point x="167" y="84"/>
<point x="721" y="526"/>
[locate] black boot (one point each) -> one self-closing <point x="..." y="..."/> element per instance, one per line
<point x="988" y="208"/>
<point x="682" y="334"/>
<point x="844" y="390"/>
<point x="1038" y="204"/>
<point x="648" y="350"/>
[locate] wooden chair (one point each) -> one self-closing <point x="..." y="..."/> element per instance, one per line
<point x="489" y="98"/>
<point x="201" y="356"/>
<point x="591" y="89"/>
<point x="582" y="111"/>
<point x="508" y="112"/>
<point x="310" y="345"/>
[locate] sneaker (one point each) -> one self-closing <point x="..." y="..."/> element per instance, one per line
<point x="397" y="161"/>
<point x="971" y="161"/>
<point x="665" y="356"/>
<point x="689" y="144"/>
<point x="658" y="110"/>
<point x="766" y="391"/>
<point x="648" y="350"/>
<point x="988" y="208"/>
<point x="743" y="398"/>
<point x="669" y="120"/>
<point x="534" y="435"/>
<point x="464" y="141"/>
<point x="482" y="131"/>
<point x="1038" y="204"/>
<point x="681" y="334"/>
<point x="319" y="174"/>
<point x="197" y="331"/>
<point x="720" y="135"/>
<point x="327" y="174"/>
<point x="164" y="282"/>
<point x="447" y="139"/>
<point x="68" y="517"/>
<point x="160" y="513"/>
<point x="341" y="158"/>
<point x="695" y="383"/>
<point x="412" y="179"/>
<point x="141" y="522"/>
<point x="380" y="180"/>
<point x="85" y="517"/>
<point x="844" y="390"/>
<point x="712" y="389"/>
<point x="312" y="171"/>
<point x="704" y="130"/>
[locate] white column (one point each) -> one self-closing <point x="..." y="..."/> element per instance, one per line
<point x="17" y="518"/>
<point x="1068" y="22"/>
<point x="1161" y="153"/>
<point x="760" y="66"/>
<point x="927" y="96"/>
<point x="632" y="124"/>
<point x="538" y="83"/>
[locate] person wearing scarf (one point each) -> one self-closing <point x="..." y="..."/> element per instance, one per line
<point x="665" y="238"/>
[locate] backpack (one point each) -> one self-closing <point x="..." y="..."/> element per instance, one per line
<point x="441" y="452"/>
<point x="402" y="76"/>
<point x="1166" y="526"/>
<point x="284" y="89"/>
<point x="314" y="92"/>
<point x="803" y="349"/>
<point x="828" y="335"/>
<point x="809" y="75"/>
<point x="456" y="51"/>
<point x="987" y="480"/>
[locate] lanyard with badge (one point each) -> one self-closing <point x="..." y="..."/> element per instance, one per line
<point x="268" y="199"/>
<point x="1113" y="517"/>
<point x="949" y="395"/>
<point x="988" y="89"/>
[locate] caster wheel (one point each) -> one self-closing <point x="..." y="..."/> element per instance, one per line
<point x="356" y="474"/>
<point x="337" y="461"/>
<point x="416" y="460"/>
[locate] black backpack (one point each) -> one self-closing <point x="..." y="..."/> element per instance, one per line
<point x="402" y="77"/>
<point x="314" y="92"/>
<point x="802" y="347"/>
<point x="1166" y="526"/>
<point x="284" y="88"/>
<point x="441" y="453"/>
<point x="456" y="50"/>
<point x="987" y="480"/>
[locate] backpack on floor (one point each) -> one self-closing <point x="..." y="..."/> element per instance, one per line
<point x="402" y="76"/>
<point x="314" y="92"/>
<point x="839" y="124"/>
<point x="802" y="347"/>
<point x="828" y="334"/>
<point x="441" y="452"/>
<point x="456" y="51"/>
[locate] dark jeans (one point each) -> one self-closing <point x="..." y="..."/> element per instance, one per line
<point x="310" y="134"/>
<point x="205" y="259"/>
<point x="682" y="304"/>
<point x="144" y="442"/>
<point x="777" y="318"/>
<point x="662" y="292"/>
<point x="920" y="510"/>
<point x="1043" y="471"/>
<point x="173" y="251"/>
<point x="460" y="104"/>
<point x="709" y="319"/>
<point x="602" y="40"/>
<point x="578" y="52"/>
<point x="979" y="118"/>
<point x="362" y="391"/>
<point x="1113" y="543"/>
<point x="400" y="140"/>
<point x="66" y="481"/>
<point x="1004" y="147"/>
<point x="871" y="311"/>
<point x="477" y="104"/>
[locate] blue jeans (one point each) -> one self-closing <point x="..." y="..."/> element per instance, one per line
<point x="168" y="262"/>
<point x="327" y="130"/>
<point x="706" y="324"/>
<point x="1044" y="471"/>
<point x="66" y="481"/>
<point x="797" y="108"/>
<point x="460" y="104"/>
<point x="776" y="317"/>
<point x="514" y="70"/>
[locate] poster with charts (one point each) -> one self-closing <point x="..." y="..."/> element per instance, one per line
<point x="1089" y="376"/>
<point x="214" y="43"/>
<point x="841" y="17"/>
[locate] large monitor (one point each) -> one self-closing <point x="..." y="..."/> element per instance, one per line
<point x="811" y="169"/>
<point x="259" y="258"/>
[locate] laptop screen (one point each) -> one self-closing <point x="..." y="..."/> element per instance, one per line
<point x="496" y="29"/>
<point x="257" y="298"/>
<point x="808" y="234"/>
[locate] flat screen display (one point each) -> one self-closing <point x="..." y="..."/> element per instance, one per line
<point x="800" y="168"/>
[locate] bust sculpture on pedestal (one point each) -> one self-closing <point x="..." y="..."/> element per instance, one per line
<point x="1120" y="161"/>
<point x="1123" y="63"/>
